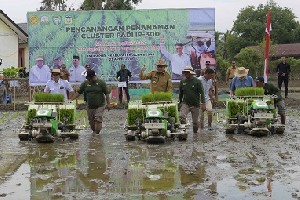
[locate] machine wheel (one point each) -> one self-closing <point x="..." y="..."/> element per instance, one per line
<point x="47" y="138"/>
<point x="24" y="137"/>
<point x="130" y="138"/>
<point x="3" y="93"/>
<point x="74" y="136"/>
<point x="280" y="131"/>
<point x="229" y="131"/>
<point x="182" y="137"/>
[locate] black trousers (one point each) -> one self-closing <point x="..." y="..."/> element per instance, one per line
<point x="285" y="80"/>
<point x="121" y="94"/>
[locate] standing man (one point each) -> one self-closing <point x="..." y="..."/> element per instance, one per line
<point x="97" y="98"/>
<point x="272" y="90"/>
<point x="76" y="71"/>
<point x="58" y="86"/>
<point x="160" y="79"/>
<point x="230" y="72"/>
<point x="190" y="93"/>
<point x="178" y="60"/>
<point x="123" y="75"/>
<point x="57" y="63"/>
<point x="207" y="85"/>
<point x="241" y="79"/>
<point x="283" y="71"/>
<point x="39" y="73"/>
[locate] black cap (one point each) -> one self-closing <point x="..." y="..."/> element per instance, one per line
<point x="76" y="57"/>
<point x="90" y="74"/>
<point x="260" y="78"/>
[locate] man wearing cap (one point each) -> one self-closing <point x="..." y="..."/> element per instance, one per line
<point x="97" y="99"/>
<point x="190" y="94"/>
<point x="39" y="73"/>
<point x="272" y="90"/>
<point x="57" y="85"/>
<point x="178" y="60"/>
<point x="230" y="72"/>
<point x="241" y="79"/>
<point x="76" y="71"/>
<point x="207" y="85"/>
<point x="160" y="79"/>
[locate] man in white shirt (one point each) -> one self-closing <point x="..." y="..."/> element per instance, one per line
<point x="39" y="73"/>
<point x="207" y="85"/>
<point x="58" y="86"/>
<point x="179" y="60"/>
<point x="76" y="71"/>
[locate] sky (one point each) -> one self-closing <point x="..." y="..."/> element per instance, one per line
<point x="226" y="11"/>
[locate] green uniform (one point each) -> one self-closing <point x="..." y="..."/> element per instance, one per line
<point x="95" y="93"/>
<point x="160" y="81"/>
<point x="190" y="92"/>
<point x="272" y="90"/>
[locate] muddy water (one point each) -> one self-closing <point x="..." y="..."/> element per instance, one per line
<point x="209" y="165"/>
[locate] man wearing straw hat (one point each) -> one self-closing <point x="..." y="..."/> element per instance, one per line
<point x="190" y="94"/>
<point x="160" y="79"/>
<point x="241" y="79"/>
<point x="58" y="85"/>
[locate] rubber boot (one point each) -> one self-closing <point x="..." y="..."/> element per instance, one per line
<point x="98" y="127"/>
<point x="195" y="129"/>
<point x="282" y="119"/>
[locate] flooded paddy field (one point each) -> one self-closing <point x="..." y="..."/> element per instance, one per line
<point x="209" y="165"/>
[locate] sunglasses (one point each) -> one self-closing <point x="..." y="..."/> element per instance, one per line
<point x="55" y="74"/>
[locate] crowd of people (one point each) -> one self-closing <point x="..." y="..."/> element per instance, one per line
<point x="196" y="94"/>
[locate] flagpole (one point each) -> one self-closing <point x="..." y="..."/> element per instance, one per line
<point x="267" y="47"/>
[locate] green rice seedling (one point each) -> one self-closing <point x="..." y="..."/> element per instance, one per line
<point x="249" y="91"/>
<point x="157" y="96"/>
<point x="46" y="97"/>
<point x="30" y="114"/>
<point x="134" y="114"/>
<point x="67" y="115"/>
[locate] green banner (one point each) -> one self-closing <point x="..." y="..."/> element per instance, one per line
<point x="107" y="39"/>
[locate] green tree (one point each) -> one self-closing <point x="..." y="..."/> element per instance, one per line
<point x="249" y="58"/>
<point x="250" y="25"/>
<point x="109" y="4"/>
<point x="53" y="5"/>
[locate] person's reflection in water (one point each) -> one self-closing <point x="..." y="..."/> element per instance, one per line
<point x="93" y="163"/>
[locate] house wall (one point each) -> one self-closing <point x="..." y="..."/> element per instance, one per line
<point x="8" y="46"/>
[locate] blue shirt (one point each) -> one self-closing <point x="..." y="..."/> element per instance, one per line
<point x="238" y="82"/>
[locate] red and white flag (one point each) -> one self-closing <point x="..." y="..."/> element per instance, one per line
<point x="267" y="48"/>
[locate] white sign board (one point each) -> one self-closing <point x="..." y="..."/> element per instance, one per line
<point x="14" y="83"/>
<point x="122" y="84"/>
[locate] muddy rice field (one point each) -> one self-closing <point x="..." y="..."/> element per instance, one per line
<point x="209" y="165"/>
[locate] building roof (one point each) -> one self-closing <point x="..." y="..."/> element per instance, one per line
<point x="287" y="50"/>
<point x="23" y="36"/>
<point x="280" y="50"/>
